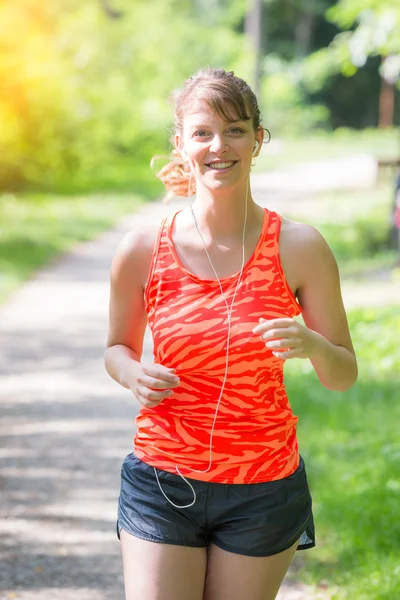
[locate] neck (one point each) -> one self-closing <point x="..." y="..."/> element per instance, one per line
<point x="222" y="213"/>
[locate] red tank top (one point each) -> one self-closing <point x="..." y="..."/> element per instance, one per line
<point x="254" y="436"/>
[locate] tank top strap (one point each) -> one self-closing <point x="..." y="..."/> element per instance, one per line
<point x="274" y="228"/>
<point x="274" y="233"/>
<point x="161" y="240"/>
<point x="268" y="245"/>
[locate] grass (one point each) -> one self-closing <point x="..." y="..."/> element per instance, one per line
<point x="350" y="441"/>
<point x="383" y="144"/>
<point x="35" y="229"/>
<point x="356" y="225"/>
<point x="351" y="446"/>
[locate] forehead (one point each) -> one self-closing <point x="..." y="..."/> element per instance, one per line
<point x="202" y="113"/>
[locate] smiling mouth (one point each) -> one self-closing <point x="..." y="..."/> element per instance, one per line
<point x="222" y="166"/>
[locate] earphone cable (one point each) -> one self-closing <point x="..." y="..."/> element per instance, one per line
<point x="229" y="310"/>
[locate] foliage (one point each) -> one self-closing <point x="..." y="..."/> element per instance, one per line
<point x="85" y="84"/>
<point x="316" y="56"/>
<point x="86" y="94"/>
<point x="376" y="33"/>
<point x="291" y="27"/>
<point x="371" y="29"/>
<point x="350" y="444"/>
<point x="35" y="229"/>
<point x="356" y="224"/>
<point x="283" y="102"/>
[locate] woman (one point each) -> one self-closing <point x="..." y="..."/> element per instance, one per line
<point x="214" y="500"/>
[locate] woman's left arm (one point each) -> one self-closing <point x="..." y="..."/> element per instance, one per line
<point x="325" y="338"/>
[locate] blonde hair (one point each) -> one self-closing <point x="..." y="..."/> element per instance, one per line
<point x="230" y="96"/>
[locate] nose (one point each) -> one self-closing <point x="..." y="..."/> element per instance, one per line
<point x="218" y="145"/>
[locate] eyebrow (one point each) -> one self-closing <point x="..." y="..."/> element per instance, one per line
<point x="199" y="125"/>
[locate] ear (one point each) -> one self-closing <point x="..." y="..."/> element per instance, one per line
<point x="178" y="142"/>
<point x="259" y="135"/>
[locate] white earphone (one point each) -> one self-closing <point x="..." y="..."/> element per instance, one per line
<point x="183" y="152"/>
<point x="229" y="311"/>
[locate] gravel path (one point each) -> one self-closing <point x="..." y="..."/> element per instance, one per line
<point x="65" y="429"/>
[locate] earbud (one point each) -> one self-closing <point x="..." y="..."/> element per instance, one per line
<point x="255" y="149"/>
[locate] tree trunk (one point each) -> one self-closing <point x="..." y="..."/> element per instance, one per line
<point x="303" y="32"/>
<point x="386" y="104"/>
<point x="253" y="30"/>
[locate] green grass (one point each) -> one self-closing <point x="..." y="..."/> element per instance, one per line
<point x="350" y="441"/>
<point x="351" y="446"/>
<point x="322" y="145"/>
<point x="356" y="224"/>
<point x="35" y="229"/>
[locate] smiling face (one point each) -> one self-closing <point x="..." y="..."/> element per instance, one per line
<point x="219" y="151"/>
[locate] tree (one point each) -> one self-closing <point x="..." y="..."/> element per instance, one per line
<point x="85" y="85"/>
<point x="370" y="29"/>
<point x="253" y="30"/>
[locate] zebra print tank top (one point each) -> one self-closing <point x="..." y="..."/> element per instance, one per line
<point x="254" y="437"/>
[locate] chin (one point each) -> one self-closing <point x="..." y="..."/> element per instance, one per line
<point x="219" y="184"/>
<point x="219" y="187"/>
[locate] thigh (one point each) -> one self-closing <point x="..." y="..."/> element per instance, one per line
<point x="156" y="571"/>
<point x="234" y="576"/>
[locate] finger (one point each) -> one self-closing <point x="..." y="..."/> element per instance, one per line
<point x="161" y="372"/>
<point x="153" y="395"/>
<point x="265" y="325"/>
<point x="158" y="384"/>
<point x="147" y="403"/>
<point x="278" y="334"/>
<point x="288" y="354"/>
<point x="144" y="401"/>
<point x="287" y="343"/>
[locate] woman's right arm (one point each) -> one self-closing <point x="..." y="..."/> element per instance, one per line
<point x="150" y="383"/>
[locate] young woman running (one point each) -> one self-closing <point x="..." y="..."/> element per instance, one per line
<point x="214" y="499"/>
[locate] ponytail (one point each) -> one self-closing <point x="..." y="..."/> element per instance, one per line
<point x="175" y="176"/>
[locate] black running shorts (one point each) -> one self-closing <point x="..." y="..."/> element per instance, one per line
<point x="257" y="519"/>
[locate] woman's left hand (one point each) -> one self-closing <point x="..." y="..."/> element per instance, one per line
<point x="287" y="338"/>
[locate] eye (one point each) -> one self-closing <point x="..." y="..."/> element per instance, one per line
<point x="201" y="133"/>
<point x="236" y="130"/>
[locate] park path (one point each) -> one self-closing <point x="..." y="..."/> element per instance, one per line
<point x="66" y="427"/>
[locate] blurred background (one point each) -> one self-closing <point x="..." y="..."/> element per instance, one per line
<point x="84" y="103"/>
<point x="84" y="107"/>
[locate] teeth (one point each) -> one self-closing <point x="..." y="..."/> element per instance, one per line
<point x="221" y="165"/>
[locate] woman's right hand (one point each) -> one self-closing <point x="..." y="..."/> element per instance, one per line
<point x="151" y="383"/>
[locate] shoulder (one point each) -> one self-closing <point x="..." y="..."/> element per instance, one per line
<point x="304" y="251"/>
<point x="301" y="236"/>
<point x="134" y="253"/>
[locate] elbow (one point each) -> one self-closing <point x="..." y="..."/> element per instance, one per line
<point x="108" y="352"/>
<point x="343" y="383"/>
<point x="107" y="361"/>
<point x="110" y="357"/>
<point x="116" y="357"/>
<point x="342" y="386"/>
